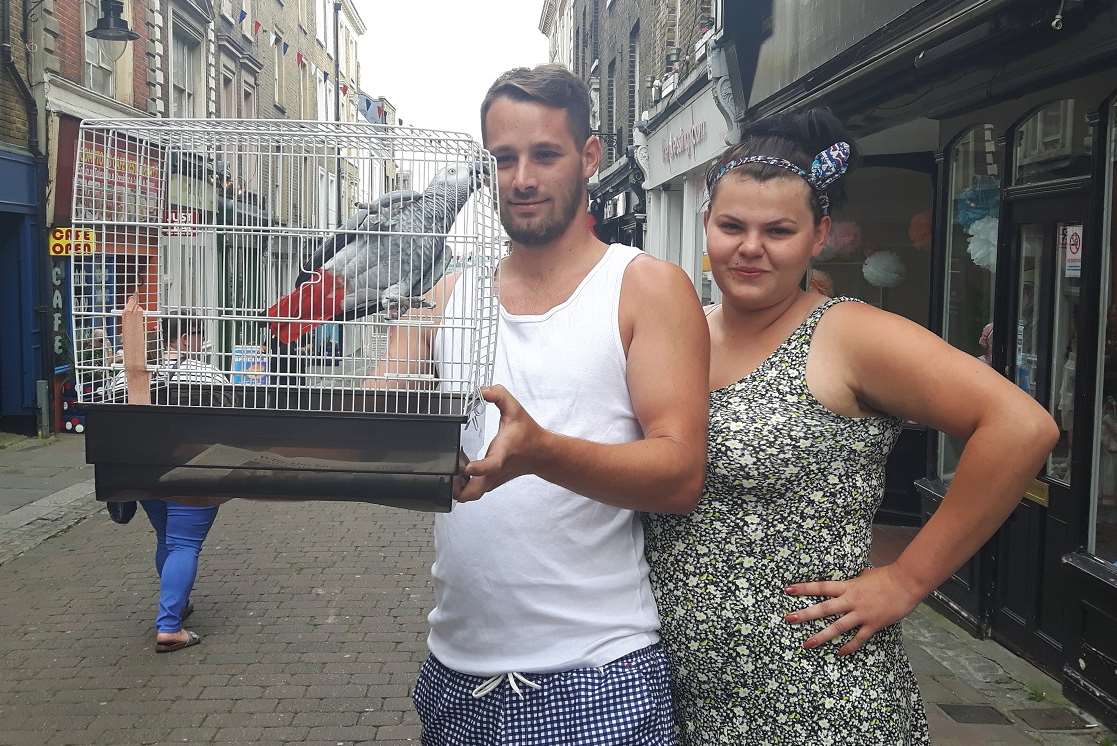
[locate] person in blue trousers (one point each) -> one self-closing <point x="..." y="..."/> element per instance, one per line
<point x="179" y="533"/>
<point x="180" y="529"/>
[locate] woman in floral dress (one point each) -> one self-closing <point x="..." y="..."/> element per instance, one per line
<point x="778" y="629"/>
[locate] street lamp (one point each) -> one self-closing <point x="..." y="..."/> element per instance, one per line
<point x="112" y="30"/>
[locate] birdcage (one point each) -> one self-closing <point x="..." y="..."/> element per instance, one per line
<point x="285" y="270"/>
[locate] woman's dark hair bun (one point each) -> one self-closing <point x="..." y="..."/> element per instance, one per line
<point x="791" y="136"/>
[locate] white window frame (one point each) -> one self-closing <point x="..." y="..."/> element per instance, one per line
<point x="320" y="22"/>
<point x="302" y="91"/>
<point x="183" y="31"/>
<point x="279" y="78"/>
<point x="229" y="107"/>
<point x="323" y="199"/>
<point x="94" y="48"/>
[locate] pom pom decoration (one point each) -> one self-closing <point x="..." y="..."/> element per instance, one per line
<point x="981" y="199"/>
<point x="821" y="283"/>
<point x="982" y="246"/>
<point x="884" y="269"/>
<point x="919" y="230"/>
<point x="844" y="241"/>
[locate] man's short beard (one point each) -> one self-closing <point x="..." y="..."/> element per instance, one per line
<point x="546" y="232"/>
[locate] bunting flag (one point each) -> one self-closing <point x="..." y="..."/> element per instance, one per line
<point x="243" y="15"/>
<point x="371" y="109"/>
<point x="326" y="76"/>
<point x="299" y="58"/>
<point x="256" y="26"/>
<point x="286" y="46"/>
<point x="274" y="38"/>
<point x="345" y="89"/>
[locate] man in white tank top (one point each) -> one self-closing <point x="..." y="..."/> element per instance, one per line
<point x="544" y="628"/>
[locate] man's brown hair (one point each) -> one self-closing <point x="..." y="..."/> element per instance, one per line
<point x="550" y="85"/>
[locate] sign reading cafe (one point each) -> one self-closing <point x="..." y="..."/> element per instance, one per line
<point x="684" y="142"/>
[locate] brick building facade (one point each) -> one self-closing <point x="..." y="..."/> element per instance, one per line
<point x="13" y="109"/>
<point x="193" y="58"/>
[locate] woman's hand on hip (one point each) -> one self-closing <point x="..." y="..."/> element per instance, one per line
<point x="876" y="598"/>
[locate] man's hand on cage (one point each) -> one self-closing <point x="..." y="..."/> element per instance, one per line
<point x="509" y="456"/>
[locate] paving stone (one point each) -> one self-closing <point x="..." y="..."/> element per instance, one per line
<point x="1051" y="718"/>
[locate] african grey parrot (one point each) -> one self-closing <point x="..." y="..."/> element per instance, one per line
<point x="383" y="259"/>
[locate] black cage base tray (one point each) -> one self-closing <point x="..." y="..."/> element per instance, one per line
<point x="341" y="447"/>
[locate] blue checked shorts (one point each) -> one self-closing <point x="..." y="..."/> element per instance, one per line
<point x="625" y="702"/>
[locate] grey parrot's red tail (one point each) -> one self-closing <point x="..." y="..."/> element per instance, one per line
<point x="312" y="303"/>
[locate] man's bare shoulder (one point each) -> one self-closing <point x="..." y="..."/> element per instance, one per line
<point x="648" y="278"/>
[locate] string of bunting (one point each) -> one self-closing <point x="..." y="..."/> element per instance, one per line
<point x="300" y="58"/>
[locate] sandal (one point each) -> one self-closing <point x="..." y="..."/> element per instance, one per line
<point x="192" y="638"/>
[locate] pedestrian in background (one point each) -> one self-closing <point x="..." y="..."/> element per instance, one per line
<point x="180" y="529"/>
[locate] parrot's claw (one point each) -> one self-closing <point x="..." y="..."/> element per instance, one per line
<point x="396" y="307"/>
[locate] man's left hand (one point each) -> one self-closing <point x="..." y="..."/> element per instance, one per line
<point x="512" y="453"/>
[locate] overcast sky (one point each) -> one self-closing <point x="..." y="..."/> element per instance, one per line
<point x="434" y="59"/>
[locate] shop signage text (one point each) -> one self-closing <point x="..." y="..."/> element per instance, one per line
<point x="57" y="307"/>
<point x="1070" y="244"/>
<point x="182" y="222"/>
<point x="684" y="142"/>
<point x="67" y="241"/>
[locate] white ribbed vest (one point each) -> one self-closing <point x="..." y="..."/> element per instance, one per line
<point x="533" y="577"/>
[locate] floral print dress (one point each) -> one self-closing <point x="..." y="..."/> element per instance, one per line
<point x="791" y="489"/>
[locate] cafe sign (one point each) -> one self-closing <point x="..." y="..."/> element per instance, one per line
<point x="69" y="241"/>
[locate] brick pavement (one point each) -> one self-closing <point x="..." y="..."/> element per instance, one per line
<point x="314" y="622"/>
<point x="313" y="617"/>
<point x="31" y="469"/>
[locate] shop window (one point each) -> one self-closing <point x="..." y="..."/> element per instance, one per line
<point x="880" y="244"/>
<point x="972" y="216"/>
<point x="98" y="64"/>
<point x="185" y="61"/>
<point x="1103" y="534"/>
<point x="1054" y="143"/>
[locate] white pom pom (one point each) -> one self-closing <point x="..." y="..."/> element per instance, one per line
<point x="982" y="246"/>
<point x="884" y="269"/>
<point x="79" y="428"/>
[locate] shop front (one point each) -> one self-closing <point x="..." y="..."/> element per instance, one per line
<point x="118" y="181"/>
<point x="21" y="353"/>
<point x="683" y="142"/>
<point x="617" y="203"/>
<point x="984" y="210"/>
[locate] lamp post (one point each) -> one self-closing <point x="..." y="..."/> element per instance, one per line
<point x="112" y="30"/>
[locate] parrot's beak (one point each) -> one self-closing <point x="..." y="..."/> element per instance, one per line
<point x="483" y="171"/>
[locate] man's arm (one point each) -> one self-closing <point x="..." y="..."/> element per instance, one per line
<point x="408" y="357"/>
<point x="668" y="381"/>
<point x="134" y="338"/>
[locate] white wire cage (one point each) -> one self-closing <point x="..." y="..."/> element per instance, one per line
<point x="274" y="261"/>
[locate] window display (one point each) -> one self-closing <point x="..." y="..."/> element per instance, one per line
<point x="971" y="273"/>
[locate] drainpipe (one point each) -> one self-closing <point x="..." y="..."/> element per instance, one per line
<point x="7" y="61"/>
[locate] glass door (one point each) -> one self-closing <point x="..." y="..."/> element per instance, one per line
<point x="1045" y="278"/>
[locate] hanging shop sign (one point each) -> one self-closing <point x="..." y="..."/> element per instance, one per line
<point x="58" y="307"/>
<point x="70" y="241"/>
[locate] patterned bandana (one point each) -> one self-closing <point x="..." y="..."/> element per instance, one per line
<point x="826" y="168"/>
